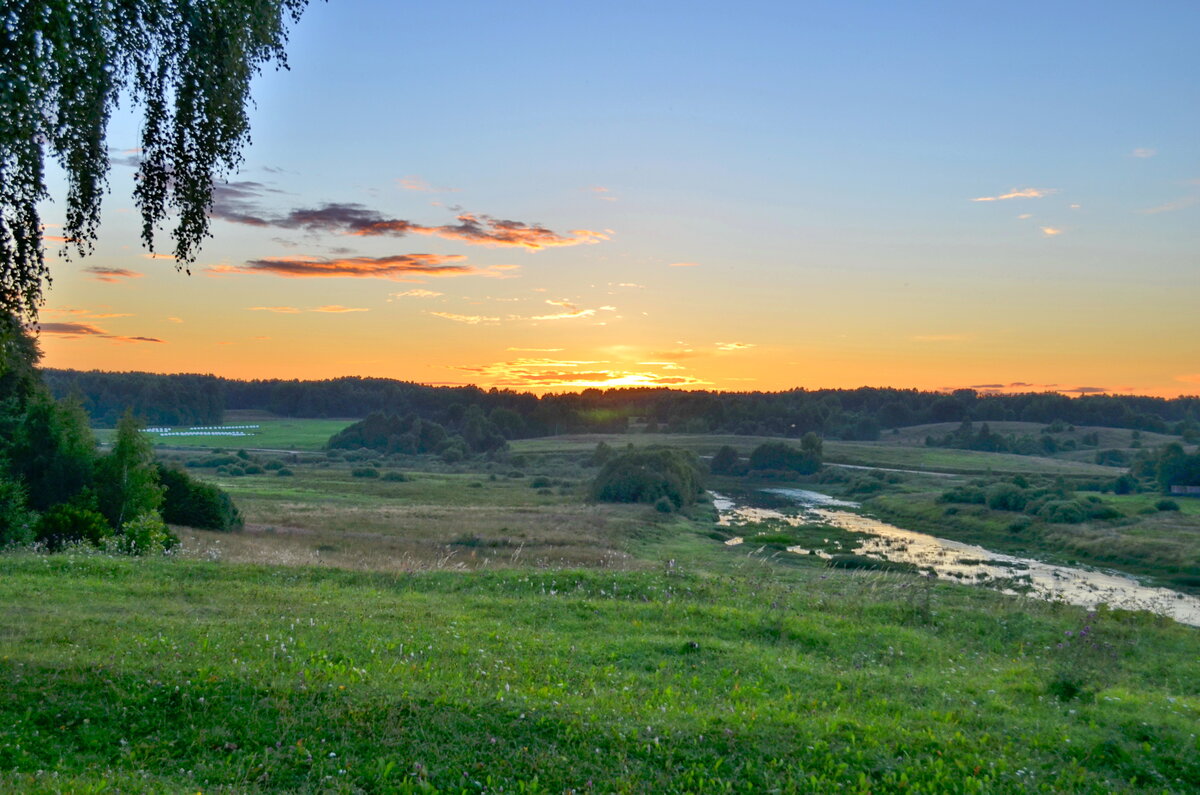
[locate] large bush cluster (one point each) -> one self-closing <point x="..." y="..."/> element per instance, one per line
<point x="650" y="476"/>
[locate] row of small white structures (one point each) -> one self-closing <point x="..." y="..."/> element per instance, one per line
<point x="221" y="430"/>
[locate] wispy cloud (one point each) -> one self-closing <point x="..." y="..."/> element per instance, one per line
<point x="1050" y="231"/>
<point x="1178" y="204"/>
<point x="684" y="265"/>
<point x="1018" y="193"/>
<point x="535" y="350"/>
<point x="733" y="346"/>
<point x="602" y="193"/>
<point x="570" y="311"/>
<point x="677" y="354"/>
<point x="90" y="314"/>
<point x="85" y="330"/>
<point x="413" y="182"/>
<point x="1143" y="152"/>
<point x="293" y="310"/>
<point x="545" y="374"/>
<point x="398" y="267"/>
<point x="103" y="274"/>
<point x="417" y="293"/>
<point x="470" y="320"/>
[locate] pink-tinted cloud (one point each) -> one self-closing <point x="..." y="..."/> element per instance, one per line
<point x="102" y="274"/>
<point x="237" y="206"/>
<point x="413" y="182"/>
<point x="84" y="330"/>
<point x="488" y="231"/>
<point x="398" y="267"/>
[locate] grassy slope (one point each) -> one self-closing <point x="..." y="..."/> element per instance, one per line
<point x="182" y="675"/>
<point x="875" y="454"/>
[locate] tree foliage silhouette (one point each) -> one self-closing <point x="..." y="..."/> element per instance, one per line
<point x="64" y="66"/>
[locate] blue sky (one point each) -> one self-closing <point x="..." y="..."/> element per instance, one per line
<point x="815" y="165"/>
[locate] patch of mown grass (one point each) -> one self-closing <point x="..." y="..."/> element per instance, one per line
<point x="273" y="433"/>
<point x="179" y="675"/>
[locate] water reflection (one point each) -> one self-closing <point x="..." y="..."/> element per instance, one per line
<point x="964" y="562"/>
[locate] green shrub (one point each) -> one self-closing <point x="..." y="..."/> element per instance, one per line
<point x="400" y="477"/>
<point x="1063" y="512"/>
<point x="365" y="472"/>
<point x="964" y="495"/>
<point x="779" y="455"/>
<point x="1005" y="497"/>
<point x="252" y="469"/>
<point x="664" y="505"/>
<point x="191" y="503"/>
<point x="647" y="475"/>
<point x="540" y="483"/>
<point x="68" y="523"/>
<point x="1166" y="505"/>
<point x="284" y="472"/>
<point x="214" y="461"/>
<point x="273" y="464"/>
<point x="864" y="486"/>
<point x="146" y="534"/>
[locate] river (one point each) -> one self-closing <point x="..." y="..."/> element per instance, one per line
<point x="966" y="563"/>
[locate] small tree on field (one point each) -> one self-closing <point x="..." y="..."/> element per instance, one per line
<point x="127" y="480"/>
<point x="725" y="462"/>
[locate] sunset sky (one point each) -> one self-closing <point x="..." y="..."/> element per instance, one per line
<point x="734" y="196"/>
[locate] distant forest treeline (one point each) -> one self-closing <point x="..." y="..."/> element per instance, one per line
<point x="855" y="414"/>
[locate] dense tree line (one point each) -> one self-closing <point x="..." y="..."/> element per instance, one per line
<point x="57" y="488"/>
<point x="856" y="414"/>
<point x="471" y="432"/>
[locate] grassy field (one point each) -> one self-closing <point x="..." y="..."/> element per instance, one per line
<point x="871" y="454"/>
<point x="1107" y="438"/>
<point x="176" y="675"/>
<point x="482" y="515"/>
<point x="273" y="433"/>
<point x="481" y="627"/>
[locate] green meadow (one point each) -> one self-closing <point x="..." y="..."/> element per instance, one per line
<point x="273" y="433"/>
<point x="740" y="675"/>
<point x="392" y="624"/>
